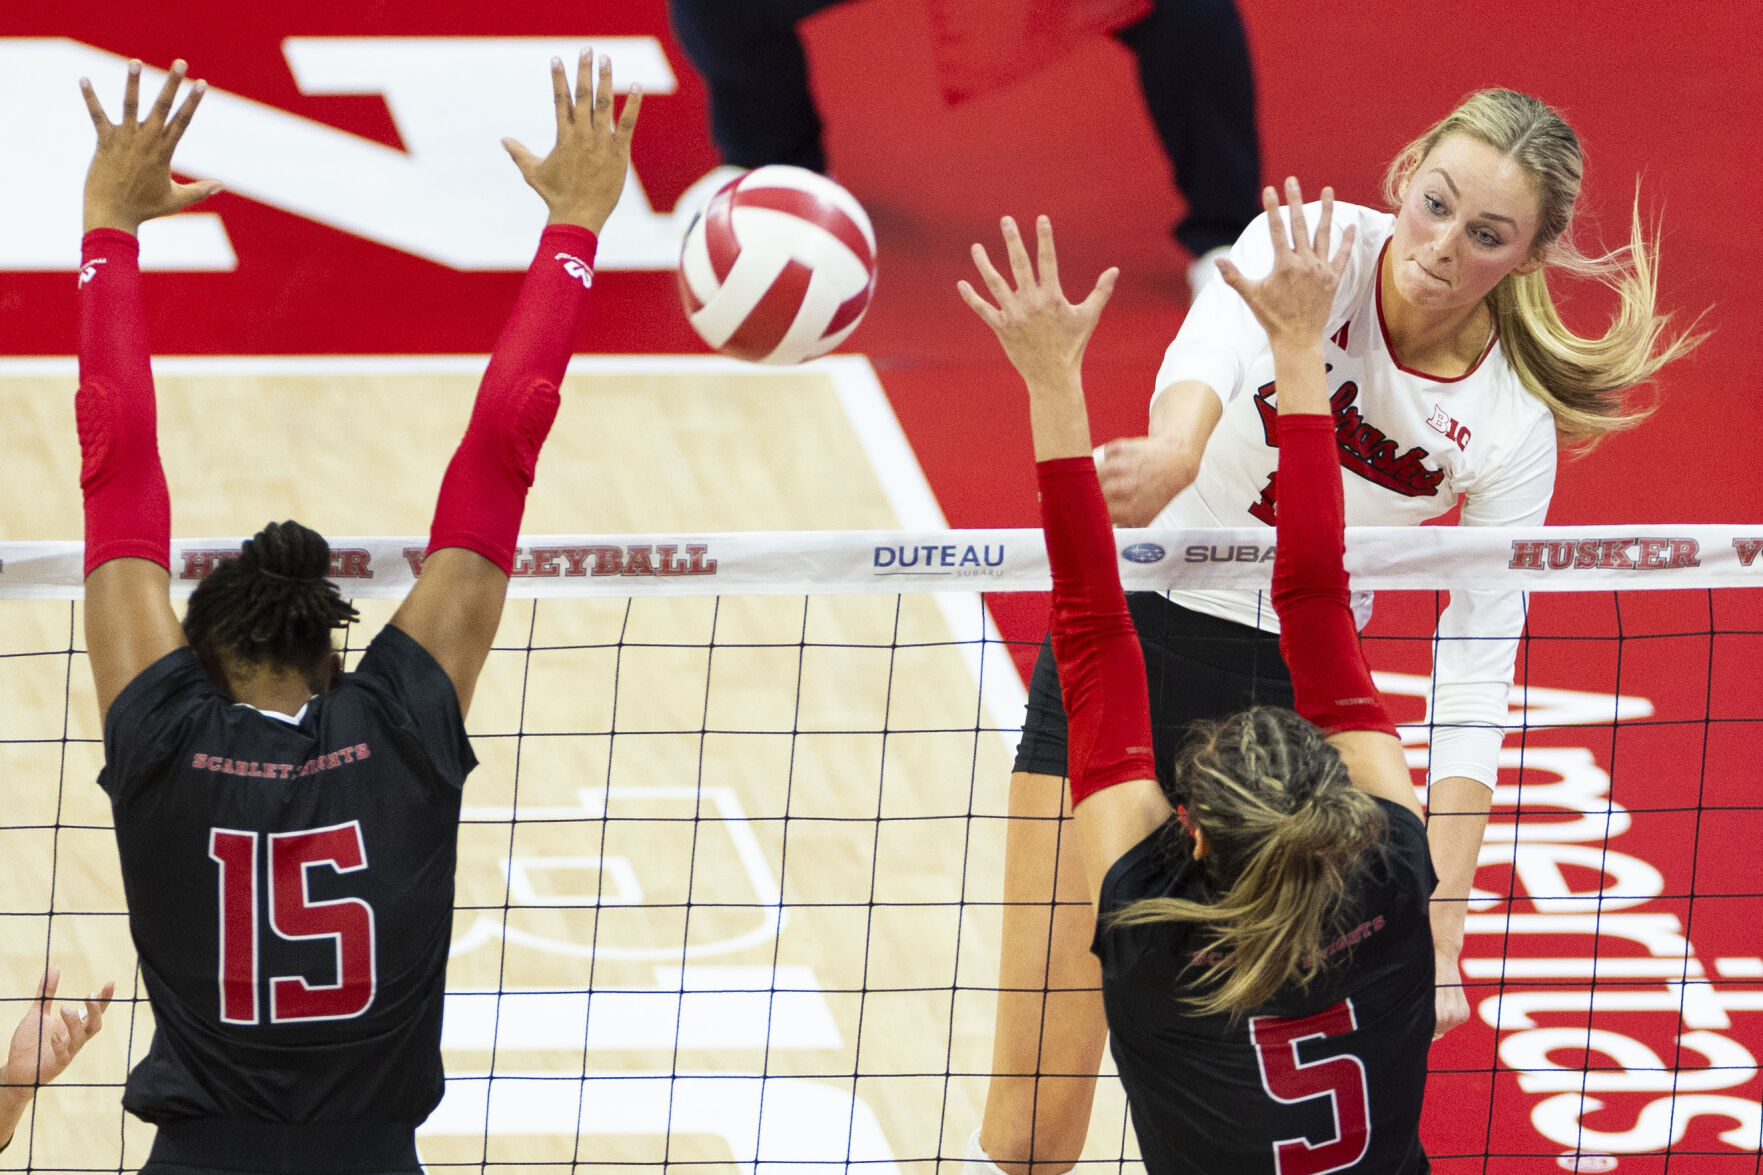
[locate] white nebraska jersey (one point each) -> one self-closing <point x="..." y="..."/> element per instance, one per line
<point x="1410" y="444"/>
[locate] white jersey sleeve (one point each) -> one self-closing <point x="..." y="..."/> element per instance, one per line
<point x="1412" y="445"/>
<point x="1478" y="633"/>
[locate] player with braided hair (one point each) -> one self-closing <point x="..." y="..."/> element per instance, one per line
<point x="1266" y="954"/>
<point x="272" y="606"/>
<point x="288" y="831"/>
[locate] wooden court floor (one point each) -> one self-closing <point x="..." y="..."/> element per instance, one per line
<point x="687" y="807"/>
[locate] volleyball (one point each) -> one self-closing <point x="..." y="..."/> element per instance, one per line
<point x="779" y="267"/>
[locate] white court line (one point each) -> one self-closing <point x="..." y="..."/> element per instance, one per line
<point x="908" y="492"/>
<point x="767" y="894"/>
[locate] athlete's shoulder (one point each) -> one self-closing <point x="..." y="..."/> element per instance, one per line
<point x="396" y="661"/>
<point x="1405" y="857"/>
<point x="1152" y="868"/>
<point x="168" y="704"/>
<point x="176" y="676"/>
<point x="399" y="685"/>
<point x="1515" y="435"/>
<point x="1156" y="867"/>
<point x="1502" y="379"/>
<point x="1373" y="224"/>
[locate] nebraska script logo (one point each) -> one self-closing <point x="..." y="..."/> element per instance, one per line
<point x="1365" y="450"/>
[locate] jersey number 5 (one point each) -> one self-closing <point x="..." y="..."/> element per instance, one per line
<point x="347" y="922"/>
<point x="1341" y="1079"/>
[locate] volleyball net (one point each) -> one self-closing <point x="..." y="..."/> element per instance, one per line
<point x="731" y="869"/>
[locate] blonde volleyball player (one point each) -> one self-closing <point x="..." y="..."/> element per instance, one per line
<point x="1286" y="909"/>
<point x="1449" y="374"/>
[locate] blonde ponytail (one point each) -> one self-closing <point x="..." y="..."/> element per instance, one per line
<point x="1287" y="832"/>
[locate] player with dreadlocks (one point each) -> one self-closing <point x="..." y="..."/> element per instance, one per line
<point x="287" y="831"/>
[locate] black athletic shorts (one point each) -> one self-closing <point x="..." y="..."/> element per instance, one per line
<point x="206" y="1146"/>
<point x="1196" y="666"/>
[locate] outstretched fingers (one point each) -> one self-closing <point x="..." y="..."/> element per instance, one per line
<point x="1233" y="277"/>
<point x="100" y="121"/>
<point x="180" y="122"/>
<point x="627" y="119"/>
<point x="523" y="158"/>
<point x="1338" y="264"/>
<point x="131" y="93"/>
<point x="989" y="274"/>
<point x="1295" y="206"/>
<point x="161" y="111"/>
<point x="560" y="96"/>
<point x="603" y="94"/>
<point x="1046" y="260"/>
<point x="987" y="312"/>
<point x="1326" y="223"/>
<point x="1020" y="269"/>
<point x="584" y="80"/>
<point x="88" y="1021"/>
<point x="1275" y="226"/>
<point x="1091" y="306"/>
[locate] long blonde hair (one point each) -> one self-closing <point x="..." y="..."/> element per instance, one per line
<point x="1582" y="379"/>
<point x="1286" y="833"/>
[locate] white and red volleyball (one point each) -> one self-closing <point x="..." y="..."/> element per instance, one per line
<point x="779" y="268"/>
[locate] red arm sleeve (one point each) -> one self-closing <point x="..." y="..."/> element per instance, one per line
<point x="484" y="491"/>
<point x="1101" y="667"/>
<point x="1330" y="680"/>
<point x="127" y="504"/>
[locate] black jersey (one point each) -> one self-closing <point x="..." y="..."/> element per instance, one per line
<point x="1325" y="1080"/>
<point x="290" y="891"/>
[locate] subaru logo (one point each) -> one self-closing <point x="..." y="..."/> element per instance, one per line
<point x="1142" y="553"/>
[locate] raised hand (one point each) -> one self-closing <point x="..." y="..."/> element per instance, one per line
<point x="1043" y="334"/>
<point x="47" y="1040"/>
<point x="130" y="178"/>
<point x="1292" y="303"/>
<point x="581" y="179"/>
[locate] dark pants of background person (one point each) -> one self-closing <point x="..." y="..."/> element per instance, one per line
<point x="1193" y="64"/>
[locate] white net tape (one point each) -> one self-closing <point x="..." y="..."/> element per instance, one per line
<point x="1575" y="558"/>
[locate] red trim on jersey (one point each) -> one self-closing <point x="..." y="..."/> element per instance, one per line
<point x="1383" y="327"/>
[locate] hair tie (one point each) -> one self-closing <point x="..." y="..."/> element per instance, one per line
<point x="278" y="576"/>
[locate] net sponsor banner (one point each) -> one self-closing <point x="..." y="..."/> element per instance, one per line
<point x="1598" y="558"/>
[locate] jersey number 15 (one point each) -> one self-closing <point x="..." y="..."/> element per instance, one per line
<point x="293" y="915"/>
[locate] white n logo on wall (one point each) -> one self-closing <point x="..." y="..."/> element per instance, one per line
<point x="451" y="196"/>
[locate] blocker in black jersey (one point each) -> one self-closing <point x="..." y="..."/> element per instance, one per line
<point x="290" y="891"/>
<point x="1330" y="1079"/>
